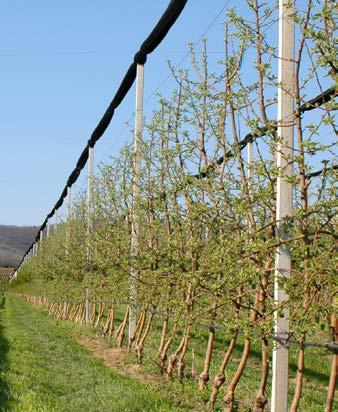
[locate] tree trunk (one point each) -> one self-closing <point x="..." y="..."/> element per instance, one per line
<point x="173" y="358"/>
<point x="220" y="377"/>
<point x="140" y="329"/>
<point x="99" y="314"/>
<point x="181" y="364"/>
<point x="229" y="397"/>
<point x="299" y="380"/>
<point x="261" y="399"/>
<point x="139" y="345"/>
<point x="204" y="376"/>
<point x="334" y="368"/>
<point x="110" y="319"/>
<point x="163" y="354"/>
<point x="163" y="336"/>
<point x="111" y="322"/>
<point x="92" y="316"/>
<point x="139" y="325"/>
<point x="121" y="330"/>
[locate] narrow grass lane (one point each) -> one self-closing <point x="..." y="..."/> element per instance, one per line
<point x="43" y="368"/>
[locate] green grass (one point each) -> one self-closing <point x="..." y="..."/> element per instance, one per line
<point x="43" y="368"/>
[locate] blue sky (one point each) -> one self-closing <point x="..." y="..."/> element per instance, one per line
<point x="60" y="65"/>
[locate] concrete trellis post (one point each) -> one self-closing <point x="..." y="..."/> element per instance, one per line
<point x="136" y="194"/>
<point x="250" y="159"/>
<point x="90" y="186"/>
<point x="56" y="220"/>
<point x="250" y="165"/>
<point x="69" y="203"/>
<point x="89" y="216"/>
<point x="47" y="228"/>
<point x="38" y="243"/>
<point x="89" y="195"/>
<point x="280" y="357"/>
<point x="69" y="211"/>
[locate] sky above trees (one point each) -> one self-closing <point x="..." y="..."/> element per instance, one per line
<point x="61" y="64"/>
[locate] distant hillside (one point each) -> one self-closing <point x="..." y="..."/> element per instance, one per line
<point x="14" y="241"/>
<point x="5" y="274"/>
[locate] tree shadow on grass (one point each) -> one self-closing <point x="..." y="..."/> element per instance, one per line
<point x="4" y="347"/>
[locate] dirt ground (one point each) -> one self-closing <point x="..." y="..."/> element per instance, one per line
<point x="115" y="358"/>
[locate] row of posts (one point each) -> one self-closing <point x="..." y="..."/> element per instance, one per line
<point x="36" y="245"/>
<point x="280" y="360"/>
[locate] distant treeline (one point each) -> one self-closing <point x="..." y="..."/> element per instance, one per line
<point x="14" y="240"/>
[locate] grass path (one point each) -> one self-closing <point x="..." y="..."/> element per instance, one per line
<point x="43" y="368"/>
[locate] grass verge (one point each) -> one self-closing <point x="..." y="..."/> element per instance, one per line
<point x="43" y="368"/>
